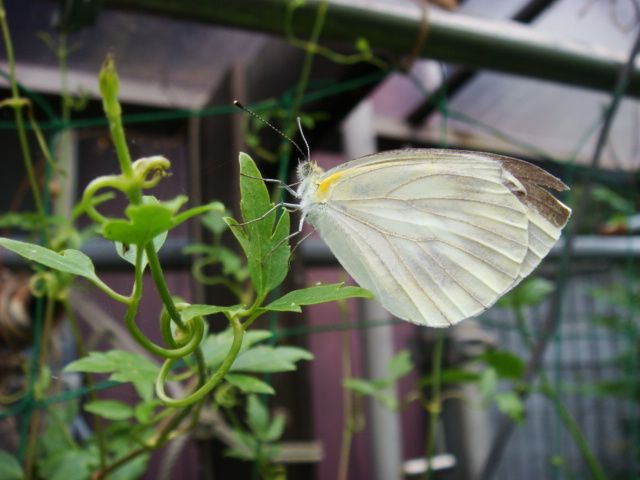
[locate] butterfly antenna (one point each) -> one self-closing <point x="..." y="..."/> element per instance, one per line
<point x="270" y="125"/>
<point x="304" y="139"/>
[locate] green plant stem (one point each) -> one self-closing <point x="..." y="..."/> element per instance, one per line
<point x="347" y="407"/>
<point x="82" y="352"/>
<point x="161" y="439"/>
<point x="109" y="89"/>
<point x="34" y="427"/>
<point x="196" y="332"/>
<point x="20" y="126"/>
<point x="109" y="84"/>
<point x="197" y="270"/>
<point x="255" y="312"/>
<point x="435" y="404"/>
<point x="109" y="291"/>
<point x="324" y="51"/>
<point x="119" y="463"/>
<point x="301" y="86"/>
<point x="161" y="285"/>
<point x="561" y="410"/>
<point x="216" y="378"/>
<point x="167" y="300"/>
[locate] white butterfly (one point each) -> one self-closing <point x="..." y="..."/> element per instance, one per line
<point x="437" y="235"/>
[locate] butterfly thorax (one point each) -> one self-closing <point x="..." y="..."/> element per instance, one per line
<point x="309" y="176"/>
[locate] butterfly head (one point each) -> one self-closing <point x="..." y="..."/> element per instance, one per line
<point x="308" y="174"/>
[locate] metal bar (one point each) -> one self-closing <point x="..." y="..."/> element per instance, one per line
<point x="463" y="76"/>
<point x="477" y="43"/>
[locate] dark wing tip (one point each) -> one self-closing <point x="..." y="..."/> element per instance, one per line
<point x="536" y="181"/>
<point x="529" y="173"/>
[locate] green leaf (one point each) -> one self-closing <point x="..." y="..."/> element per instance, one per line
<point x="276" y="258"/>
<point x="293" y="354"/>
<point x="267" y="359"/>
<point x="361" y="386"/>
<point x="128" y="252"/>
<point x="362" y="45"/>
<point x="240" y="234"/>
<point x="69" y="464"/>
<point x="616" y="323"/>
<point x="144" y="411"/>
<point x="249" y="384"/>
<point x="387" y="400"/>
<point x="214" y="221"/>
<point x="109" y="409"/>
<point x="245" y="448"/>
<point x="292" y="301"/>
<point x="202" y="310"/>
<point x="69" y="261"/>
<point x="125" y="367"/>
<point x="529" y="293"/>
<point x="276" y="429"/>
<point x="132" y="469"/>
<point x="506" y="364"/>
<point x="146" y="221"/>
<point x="230" y="261"/>
<point x="621" y="388"/>
<point x="263" y="235"/>
<point x="617" y="202"/>
<point x="199" y="210"/>
<point x="400" y="365"/>
<point x="262" y="359"/>
<point x="452" y="376"/>
<point x="216" y="347"/>
<point x="54" y="438"/>
<point x="10" y="468"/>
<point x="510" y="404"/>
<point x="488" y="383"/>
<point x="257" y="415"/>
<point x="28" y="221"/>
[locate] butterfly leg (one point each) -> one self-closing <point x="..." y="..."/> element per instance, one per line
<point x="289" y="207"/>
<point x="276" y="181"/>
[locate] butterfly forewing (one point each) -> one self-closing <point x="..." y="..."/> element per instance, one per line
<point x="437" y="235"/>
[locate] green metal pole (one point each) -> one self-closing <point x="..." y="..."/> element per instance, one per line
<point x="478" y="43"/>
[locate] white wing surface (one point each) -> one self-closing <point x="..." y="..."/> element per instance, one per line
<point x="437" y="235"/>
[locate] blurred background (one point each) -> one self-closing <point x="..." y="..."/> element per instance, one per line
<point x="552" y="82"/>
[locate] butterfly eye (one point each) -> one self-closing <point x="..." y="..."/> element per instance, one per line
<point x="304" y="169"/>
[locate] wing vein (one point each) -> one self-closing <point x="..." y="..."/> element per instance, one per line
<point x="412" y="239"/>
<point x="444" y="269"/>
<point x="467" y="222"/>
<point x="464" y="200"/>
<point x="416" y="281"/>
<point x="385" y="266"/>
<point x="478" y="257"/>
<point x="435" y="175"/>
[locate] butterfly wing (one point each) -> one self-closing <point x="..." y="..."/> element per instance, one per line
<point x="437" y="235"/>
<point x="547" y="215"/>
